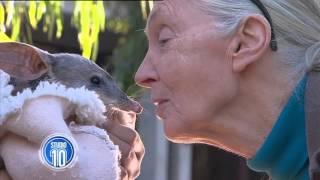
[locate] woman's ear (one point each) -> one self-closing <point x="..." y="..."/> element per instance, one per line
<point x="250" y="41"/>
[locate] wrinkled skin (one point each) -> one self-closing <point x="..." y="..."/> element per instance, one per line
<point x="210" y="87"/>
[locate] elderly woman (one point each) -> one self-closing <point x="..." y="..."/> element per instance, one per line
<point x="232" y="74"/>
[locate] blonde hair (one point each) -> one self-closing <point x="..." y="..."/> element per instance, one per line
<point x="296" y="24"/>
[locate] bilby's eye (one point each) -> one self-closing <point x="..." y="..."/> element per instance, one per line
<point x="95" y="80"/>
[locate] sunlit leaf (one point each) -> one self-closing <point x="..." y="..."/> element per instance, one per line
<point x="76" y="15"/>
<point x="46" y="24"/>
<point x="16" y="21"/>
<point x="41" y="9"/>
<point x="101" y="15"/>
<point x="59" y="28"/>
<point x="88" y="18"/>
<point x="4" y="37"/>
<point x="95" y="25"/>
<point x="143" y="9"/>
<point x="2" y="26"/>
<point x="32" y="14"/>
<point x="146" y="7"/>
<point x="58" y="16"/>
<point x="95" y="50"/>
<point x="151" y="4"/>
<point x="10" y="12"/>
<point x="85" y="16"/>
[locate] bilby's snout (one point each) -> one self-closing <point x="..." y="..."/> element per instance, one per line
<point x="135" y="107"/>
<point x="131" y="105"/>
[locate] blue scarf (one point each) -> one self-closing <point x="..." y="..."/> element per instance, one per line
<point x="284" y="155"/>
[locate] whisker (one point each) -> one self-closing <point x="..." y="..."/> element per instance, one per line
<point x="139" y="30"/>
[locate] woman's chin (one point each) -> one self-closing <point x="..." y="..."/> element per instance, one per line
<point x="175" y="132"/>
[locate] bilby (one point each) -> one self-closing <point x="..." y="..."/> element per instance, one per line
<point x="28" y="65"/>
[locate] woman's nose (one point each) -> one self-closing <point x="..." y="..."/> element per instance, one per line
<point x="146" y="73"/>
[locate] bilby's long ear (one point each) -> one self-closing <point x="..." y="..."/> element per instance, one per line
<point x="23" y="61"/>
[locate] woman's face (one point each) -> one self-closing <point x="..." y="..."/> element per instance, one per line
<point x="187" y="69"/>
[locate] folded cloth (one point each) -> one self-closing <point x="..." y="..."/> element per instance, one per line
<point x="97" y="158"/>
<point x="29" y="117"/>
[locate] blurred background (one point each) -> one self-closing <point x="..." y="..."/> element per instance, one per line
<point x="111" y="34"/>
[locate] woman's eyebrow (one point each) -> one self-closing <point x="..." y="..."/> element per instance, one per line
<point x="153" y="16"/>
<point x="160" y="11"/>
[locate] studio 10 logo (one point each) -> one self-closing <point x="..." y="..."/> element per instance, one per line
<point x="58" y="152"/>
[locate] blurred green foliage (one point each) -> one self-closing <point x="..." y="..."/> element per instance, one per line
<point x="87" y="19"/>
<point x="13" y="14"/>
<point x="132" y="48"/>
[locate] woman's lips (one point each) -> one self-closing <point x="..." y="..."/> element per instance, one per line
<point x="158" y="101"/>
<point x="161" y="108"/>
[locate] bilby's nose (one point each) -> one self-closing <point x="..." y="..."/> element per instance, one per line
<point x="135" y="107"/>
<point x="132" y="106"/>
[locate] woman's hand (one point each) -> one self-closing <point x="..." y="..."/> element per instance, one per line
<point x="122" y="133"/>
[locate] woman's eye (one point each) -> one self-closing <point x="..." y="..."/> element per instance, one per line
<point x="95" y="80"/>
<point x="162" y="42"/>
<point x="165" y="36"/>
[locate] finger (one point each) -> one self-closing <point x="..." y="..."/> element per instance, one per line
<point x="129" y="159"/>
<point x="131" y="156"/>
<point x="124" y="133"/>
<point x="124" y="174"/>
<point x="122" y="117"/>
<point x="129" y="119"/>
<point x="124" y="147"/>
<point x="130" y="138"/>
<point x="132" y="165"/>
<point x="139" y="149"/>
